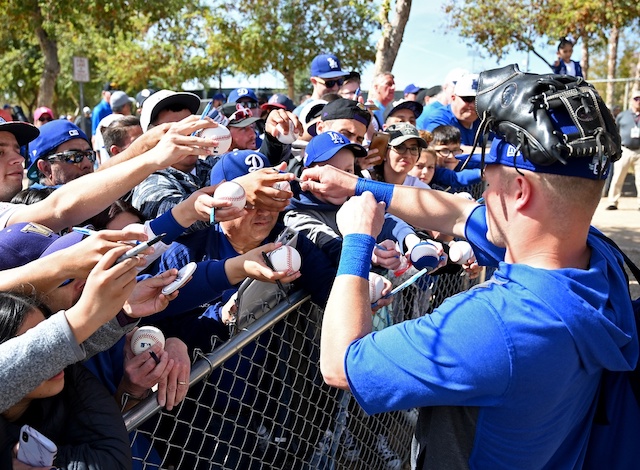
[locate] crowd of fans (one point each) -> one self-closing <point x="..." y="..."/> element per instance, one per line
<point x="135" y="168"/>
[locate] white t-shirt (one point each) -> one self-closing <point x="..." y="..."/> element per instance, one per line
<point x="415" y="182"/>
<point x="7" y="209"/>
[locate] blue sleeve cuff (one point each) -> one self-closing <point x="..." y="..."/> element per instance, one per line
<point x="166" y="223"/>
<point x="356" y="255"/>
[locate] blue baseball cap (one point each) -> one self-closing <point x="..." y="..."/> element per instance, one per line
<point x="278" y="100"/>
<point x="592" y="167"/>
<point x="411" y="88"/>
<point x="327" y="66"/>
<point x="239" y="163"/>
<point x="324" y="146"/>
<point x="52" y="134"/>
<point x="240" y="93"/>
<point x="219" y="96"/>
<point x="27" y="241"/>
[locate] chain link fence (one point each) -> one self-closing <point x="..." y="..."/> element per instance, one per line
<point x="258" y="401"/>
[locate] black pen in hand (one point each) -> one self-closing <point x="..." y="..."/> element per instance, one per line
<point x="269" y="264"/>
<point x="136" y="250"/>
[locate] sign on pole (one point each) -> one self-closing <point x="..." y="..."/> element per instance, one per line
<point x="81" y="69"/>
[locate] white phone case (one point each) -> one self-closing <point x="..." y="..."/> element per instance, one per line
<point x="35" y="449"/>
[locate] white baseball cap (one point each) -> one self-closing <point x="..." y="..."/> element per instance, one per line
<point x="163" y="99"/>
<point x="467" y="85"/>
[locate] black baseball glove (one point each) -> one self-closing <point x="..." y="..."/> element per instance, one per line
<point x="549" y="118"/>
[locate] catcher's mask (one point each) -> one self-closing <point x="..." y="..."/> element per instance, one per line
<point x="549" y="120"/>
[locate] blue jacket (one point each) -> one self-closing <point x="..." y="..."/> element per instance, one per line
<point x="561" y="69"/>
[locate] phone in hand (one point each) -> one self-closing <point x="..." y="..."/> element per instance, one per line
<point x="380" y="141"/>
<point x="35" y="449"/>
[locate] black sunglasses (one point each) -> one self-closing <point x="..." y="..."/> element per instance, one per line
<point x="45" y="119"/>
<point x="73" y="156"/>
<point x="468" y="99"/>
<point x="331" y="83"/>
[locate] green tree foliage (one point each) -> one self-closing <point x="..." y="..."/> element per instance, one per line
<point x="60" y="29"/>
<point x="499" y="25"/>
<point x="284" y="35"/>
<point x="166" y="43"/>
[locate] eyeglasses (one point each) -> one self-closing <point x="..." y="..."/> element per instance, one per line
<point x="446" y="152"/>
<point x="45" y="119"/>
<point x="73" y="156"/>
<point x="467" y="99"/>
<point x="331" y="83"/>
<point x="637" y="98"/>
<point x="249" y="104"/>
<point x="402" y="149"/>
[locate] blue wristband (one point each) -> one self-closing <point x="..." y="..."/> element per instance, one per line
<point x="383" y="192"/>
<point x="356" y="253"/>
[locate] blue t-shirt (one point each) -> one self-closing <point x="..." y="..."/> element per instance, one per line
<point x="427" y="112"/>
<point x="517" y="352"/>
<point x="443" y="116"/>
<point x="101" y="110"/>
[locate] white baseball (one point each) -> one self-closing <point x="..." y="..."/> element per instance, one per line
<point x="426" y="254"/>
<point x="376" y="284"/>
<point x="286" y="258"/>
<point x="289" y="138"/>
<point x="232" y="192"/>
<point x="145" y="337"/>
<point x="221" y="134"/>
<point x="460" y="252"/>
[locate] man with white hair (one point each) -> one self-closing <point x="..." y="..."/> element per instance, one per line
<point x="460" y="112"/>
<point x="442" y="97"/>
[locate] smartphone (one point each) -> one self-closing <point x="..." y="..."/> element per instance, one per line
<point x="140" y="248"/>
<point x="402" y="286"/>
<point x="380" y="141"/>
<point x="371" y="106"/>
<point x="184" y="275"/>
<point x="35" y="449"/>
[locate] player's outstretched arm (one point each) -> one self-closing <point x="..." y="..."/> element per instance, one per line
<point x="430" y="209"/>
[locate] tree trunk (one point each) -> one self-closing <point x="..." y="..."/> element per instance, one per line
<point x="392" y="32"/>
<point x="51" y="70"/>
<point x="585" y="57"/>
<point x="291" y="84"/>
<point x="611" y="65"/>
<point x="636" y="84"/>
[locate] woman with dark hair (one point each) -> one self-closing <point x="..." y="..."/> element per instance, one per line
<point x="71" y="408"/>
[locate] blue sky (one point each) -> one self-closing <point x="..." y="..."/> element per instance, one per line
<point x="427" y="54"/>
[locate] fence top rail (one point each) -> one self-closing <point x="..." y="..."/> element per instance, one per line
<point x="209" y="362"/>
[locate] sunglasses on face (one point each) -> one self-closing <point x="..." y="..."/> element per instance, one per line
<point x="331" y="83"/>
<point x="45" y="119"/>
<point x="73" y="156"/>
<point x="467" y="99"/>
<point x="637" y="98"/>
<point x="249" y="104"/>
<point x="402" y="149"/>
